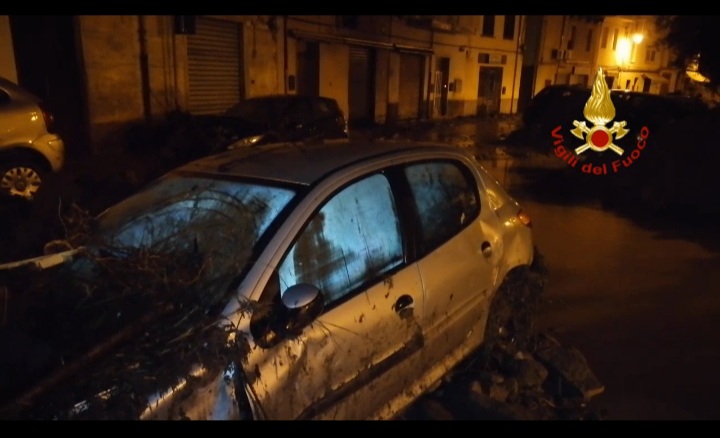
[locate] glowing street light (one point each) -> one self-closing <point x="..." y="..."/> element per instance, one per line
<point x="622" y="55"/>
<point x="638" y="38"/>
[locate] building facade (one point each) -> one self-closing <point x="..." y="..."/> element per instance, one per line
<point x="570" y="49"/>
<point x="101" y="73"/>
<point x="128" y="69"/>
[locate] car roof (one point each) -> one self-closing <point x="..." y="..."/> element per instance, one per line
<point x="307" y="163"/>
<point x="15" y="91"/>
<point x="288" y="97"/>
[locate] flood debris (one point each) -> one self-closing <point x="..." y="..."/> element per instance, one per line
<point x="520" y="373"/>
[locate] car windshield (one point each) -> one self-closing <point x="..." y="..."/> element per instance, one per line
<point x="220" y="222"/>
<point x="262" y="111"/>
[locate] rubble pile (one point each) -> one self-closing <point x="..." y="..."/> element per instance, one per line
<point x="519" y="373"/>
<point x="554" y="382"/>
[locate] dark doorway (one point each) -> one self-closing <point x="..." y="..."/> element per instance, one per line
<point x="442" y="78"/>
<point x="411" y="86"/>
<point x="48" y="65"/>
<point x="647" y="82"/>
<point x="361" y="97"/>
<point x="489" y="90"/>
<point x="308" y="68"/>
<point x="610" y="81"/>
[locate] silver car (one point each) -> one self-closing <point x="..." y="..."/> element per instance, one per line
<point x="348" y="277"/>
<point x="29" y="148"/>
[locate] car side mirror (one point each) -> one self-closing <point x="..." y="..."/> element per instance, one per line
<point x="304" y="303"/>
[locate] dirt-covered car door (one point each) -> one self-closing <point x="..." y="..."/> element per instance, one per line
<point x="350" y="362"/>
<point x="460" y="249"/>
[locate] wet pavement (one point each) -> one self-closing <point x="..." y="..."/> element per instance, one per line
<point x="640" y="300"/>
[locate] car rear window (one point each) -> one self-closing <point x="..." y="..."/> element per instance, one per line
<point x="327" y="106"/>
<point x="259" y="110"/>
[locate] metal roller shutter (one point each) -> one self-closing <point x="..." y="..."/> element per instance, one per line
<point x="214" y="66"/>
<point x="410" y="92"/>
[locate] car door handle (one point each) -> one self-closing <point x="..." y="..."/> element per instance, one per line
<point x="486" y="249"/>
<point x="404" y="306"/>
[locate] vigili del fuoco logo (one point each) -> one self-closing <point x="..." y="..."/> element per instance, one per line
<point x="596" y="138"/>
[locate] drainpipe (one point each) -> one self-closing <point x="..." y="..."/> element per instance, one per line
<point x="562" y="38"/>
<point x="431" y="79"/>
<point x="144" y="69"/>
<point x="517" y="55"/>
<point x="285" y="53"/>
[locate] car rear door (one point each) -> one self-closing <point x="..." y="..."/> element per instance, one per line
<point x="459" y="249"/>
<point x="347" y="364"/>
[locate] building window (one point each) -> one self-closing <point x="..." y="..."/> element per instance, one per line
<point x="488" y="28"/>
<point x="650" y="55"/>
<point x="633" y="53"/>
<point x="604" y="37"/>
<point x="571" y="41"/>
<point x="616" y="33"/>
<point x="588" y="42"/>
<point x="509" y="29"/>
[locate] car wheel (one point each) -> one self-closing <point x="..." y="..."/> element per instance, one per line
<point x="21" y="178"/>
<point x="514" y="307"/>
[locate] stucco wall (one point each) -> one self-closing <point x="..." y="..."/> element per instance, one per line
<point x="335" y="73"/>
<point x="382" y="85"/>
<point x="111" y="50"/>
<point x="7" y="54"/>
<point x="262" y="58"/>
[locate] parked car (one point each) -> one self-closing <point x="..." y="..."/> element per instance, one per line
<point x="29" y="146"/>
<point x="561" y="104"/>
<point x="262" y="120"/>
<point x="323" y="280"/>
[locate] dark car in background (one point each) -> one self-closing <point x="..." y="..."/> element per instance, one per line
<point x="561" y="104"/>
<point x="271" y="119"/>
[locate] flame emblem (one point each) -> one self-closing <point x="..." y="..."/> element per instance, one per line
<point x="599" y="110"/>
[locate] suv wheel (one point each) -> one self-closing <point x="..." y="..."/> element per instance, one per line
<point x="21" y="178"/>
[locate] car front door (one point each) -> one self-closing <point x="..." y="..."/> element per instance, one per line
<point x="298" y="121"/>
<point x="344" y="365"/>
<point x="455" y="253"/>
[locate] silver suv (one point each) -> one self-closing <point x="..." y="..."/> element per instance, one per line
<point x="29" y="147"/>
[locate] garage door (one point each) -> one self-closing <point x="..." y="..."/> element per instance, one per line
<point x="411" y="80"/>
<point x="214" y="66"/>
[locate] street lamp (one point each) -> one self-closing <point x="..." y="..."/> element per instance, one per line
<point x="637" y="37"/>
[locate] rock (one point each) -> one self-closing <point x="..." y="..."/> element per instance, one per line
<point x="434" y="410"/>
<point x="531" y="373"/>
<point x="498" y="392"/>
<point x="569" y="374"/>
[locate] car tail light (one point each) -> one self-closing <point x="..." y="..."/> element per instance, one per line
<point x="49" y="118"/>
<point x="524" y="218"/>
<point x="346" y="127"/>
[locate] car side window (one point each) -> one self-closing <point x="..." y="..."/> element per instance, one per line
<point x="323" y="109"/>
<point x="351" y="242"/>
<point x="446" y="198"/>
<point x="299" y="113"/>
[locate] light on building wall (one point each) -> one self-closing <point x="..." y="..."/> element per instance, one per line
<point x="622" y="55"/>
<point x="638" y="37"/>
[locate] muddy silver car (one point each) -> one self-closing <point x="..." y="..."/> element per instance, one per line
<point x="337" y="280"/>
<point x="29" y="147"/>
